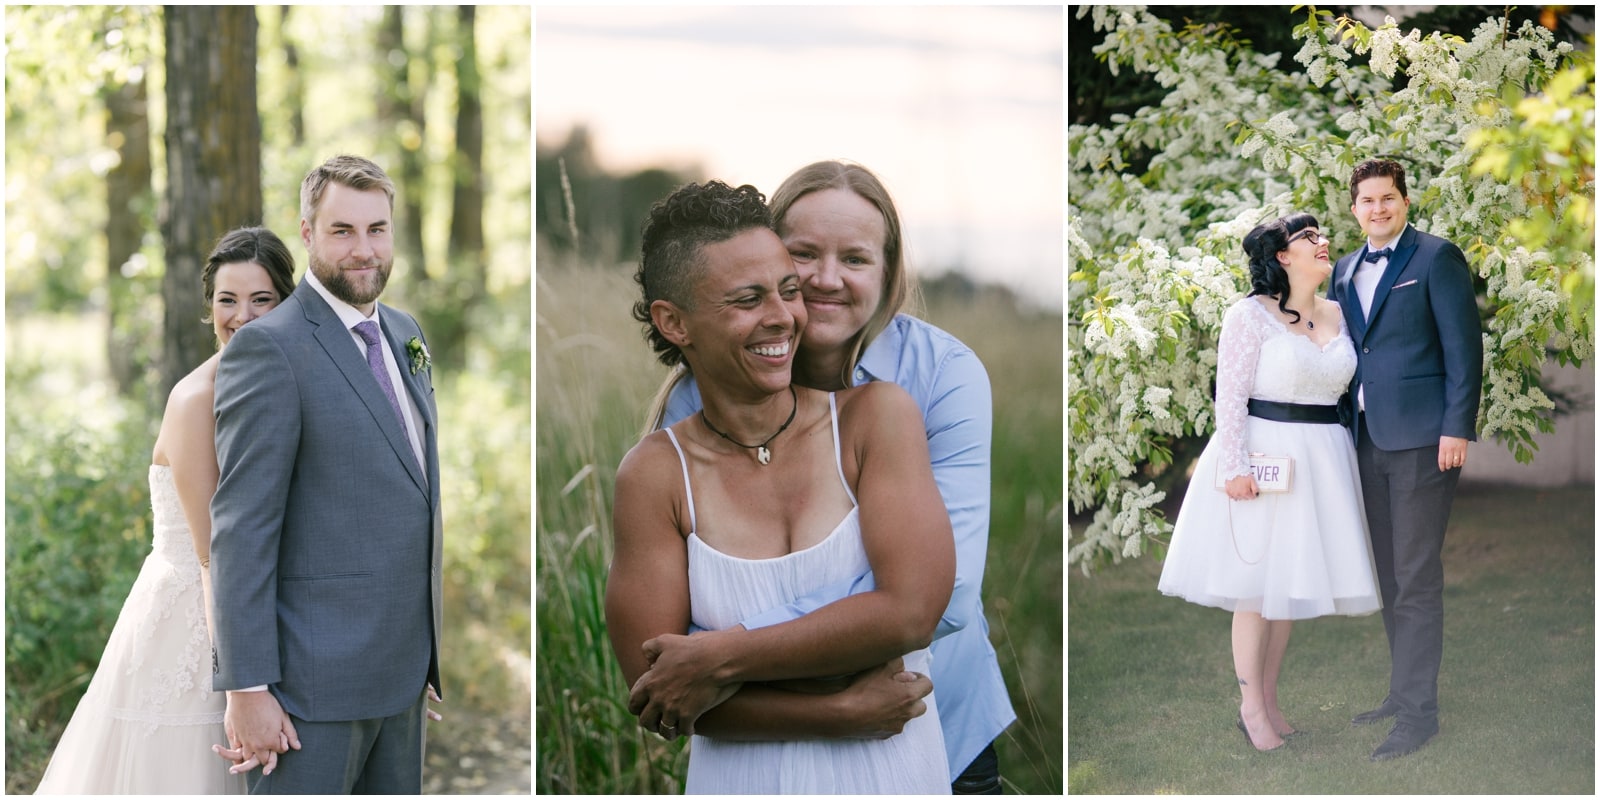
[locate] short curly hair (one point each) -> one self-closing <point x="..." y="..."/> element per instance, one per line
<point x="678" y="227"/>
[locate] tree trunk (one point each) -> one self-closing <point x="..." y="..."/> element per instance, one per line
<point x="297" y="83"/>
<point x="213" y="141"/>
<point x="468" y="282"/>
<point x="401" y="109"/>
<point x="128" y="202"/>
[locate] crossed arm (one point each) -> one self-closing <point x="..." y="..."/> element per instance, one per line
<point x="906" y="534"/>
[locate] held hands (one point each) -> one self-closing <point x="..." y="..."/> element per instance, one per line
<point x="286" y="737"/>
<point x="1242" y="487"/>
<point x="681" y="683"/>
<point x="258" y="730"/>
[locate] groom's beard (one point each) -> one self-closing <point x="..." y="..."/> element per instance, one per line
<point x="355" y="291"/>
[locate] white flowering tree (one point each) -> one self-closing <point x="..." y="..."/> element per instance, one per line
<point x="1496" y="134"/>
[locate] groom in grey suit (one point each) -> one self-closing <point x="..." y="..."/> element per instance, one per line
<point x="326" y="526"/>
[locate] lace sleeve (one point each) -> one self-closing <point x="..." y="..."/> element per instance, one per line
<point x="1238" y="350"/>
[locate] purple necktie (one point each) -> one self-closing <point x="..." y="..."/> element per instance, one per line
<point x="368" y="331"/>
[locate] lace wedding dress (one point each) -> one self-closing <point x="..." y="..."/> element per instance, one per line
<point x="149" y="718"/>
<point x="1296" y="555"/>
<point x="725" y="589"/>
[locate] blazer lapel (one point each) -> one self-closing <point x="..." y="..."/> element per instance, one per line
<point x="1345" y="290"/>
<point x="1403" y="250"/>
<point x="414" y="389"/>
<point x="346" y="355"/>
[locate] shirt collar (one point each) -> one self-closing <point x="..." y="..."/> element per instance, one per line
<point x="881" y="360"/>
<point x="349" y="315"/>
<point x="1393" y="243"/>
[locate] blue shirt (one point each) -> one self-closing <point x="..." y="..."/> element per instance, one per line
<point x="951" y="387"/>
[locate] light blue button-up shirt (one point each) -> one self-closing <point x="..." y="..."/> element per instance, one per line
<point x="951" y="387"/>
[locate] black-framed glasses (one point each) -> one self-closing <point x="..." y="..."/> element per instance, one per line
<point x="1313" y="236"/>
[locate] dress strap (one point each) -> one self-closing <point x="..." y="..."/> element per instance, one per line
<point x="838" y="458"/>
<point x="688" y="492"/>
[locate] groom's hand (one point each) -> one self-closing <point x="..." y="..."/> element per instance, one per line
<point x="879" y="702"/>
<point x="258" y="729"/>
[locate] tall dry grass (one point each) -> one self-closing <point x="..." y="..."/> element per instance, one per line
<point x="595" y="376"/>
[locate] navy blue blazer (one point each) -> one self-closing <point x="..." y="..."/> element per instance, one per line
<point x="1420" y="350"/>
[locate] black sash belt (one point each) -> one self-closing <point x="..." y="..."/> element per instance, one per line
<point x="1293" y="412"/>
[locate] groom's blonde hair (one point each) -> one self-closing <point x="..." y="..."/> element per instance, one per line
<point x="353" y="171"/>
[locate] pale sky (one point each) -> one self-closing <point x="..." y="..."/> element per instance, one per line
<point x="958" y="109"/>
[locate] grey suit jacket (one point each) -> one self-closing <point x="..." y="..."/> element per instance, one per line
<point x="326" y="536"/>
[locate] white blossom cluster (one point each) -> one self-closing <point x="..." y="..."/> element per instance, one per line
<point x="1155" y="258"/>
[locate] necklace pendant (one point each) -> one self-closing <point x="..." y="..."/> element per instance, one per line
<point x="763" y="455"/>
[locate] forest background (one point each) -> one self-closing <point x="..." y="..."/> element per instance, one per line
<point x="136" y="136"/>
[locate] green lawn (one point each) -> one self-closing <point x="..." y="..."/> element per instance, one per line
<point x="1151" y="696"/>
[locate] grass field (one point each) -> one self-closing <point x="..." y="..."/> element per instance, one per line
<point x="1152" y="699"/>
<point x="594" y="378"/>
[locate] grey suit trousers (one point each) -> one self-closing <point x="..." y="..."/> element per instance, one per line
<point x="367" y="756"/>
<point x="1408" y="506"/>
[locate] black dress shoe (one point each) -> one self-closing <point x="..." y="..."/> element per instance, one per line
<point x="1404" y="740"/>
<point x="1379" y="714"/>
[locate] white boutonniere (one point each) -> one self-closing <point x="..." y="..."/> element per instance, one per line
<point x="418" y="352"/>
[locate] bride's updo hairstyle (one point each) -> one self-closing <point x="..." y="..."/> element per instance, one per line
<point x="1262" y="245"/>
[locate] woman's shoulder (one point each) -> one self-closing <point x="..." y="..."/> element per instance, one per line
<point x="197" y="390"/>
<point x="877" y="400"/>
<point x="649" y="463"/>
<point x="1247" y="309"/>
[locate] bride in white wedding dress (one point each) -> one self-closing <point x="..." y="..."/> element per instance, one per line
<point x="1284" y="360"/>
<point x="149" y="718"/>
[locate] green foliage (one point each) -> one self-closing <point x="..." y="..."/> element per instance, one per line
<point x="1548" y="149"/>
<point x="1153" y="250"/>
<point x="596" y="376"/>
<point x="485" y="465"/>
<point x="77" y="529"/>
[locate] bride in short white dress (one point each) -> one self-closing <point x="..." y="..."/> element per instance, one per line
<point x="149" y="718"/>
<point x="1295" y="555"/>
<point x="723" y="590"/>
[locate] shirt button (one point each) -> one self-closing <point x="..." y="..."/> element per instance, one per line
<point x="861" y="374"/>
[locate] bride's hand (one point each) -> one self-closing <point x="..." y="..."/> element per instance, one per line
<point x="1242" y="487"/>
<point x="681" y="683"/>
<point x="433" y="695"/>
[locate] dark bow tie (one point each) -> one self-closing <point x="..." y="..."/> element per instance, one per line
<point x="1374" y="255"/>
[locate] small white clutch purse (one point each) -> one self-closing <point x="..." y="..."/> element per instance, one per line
<point x="1272" y="473"/>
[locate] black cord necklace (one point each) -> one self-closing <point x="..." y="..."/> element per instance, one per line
<point x="763" y="455"/>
